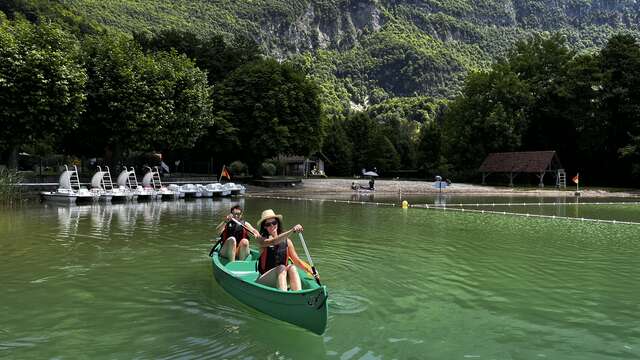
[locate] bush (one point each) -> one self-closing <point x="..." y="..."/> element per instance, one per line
<point x="267" y="169"/>
<point x="238" y="168"/>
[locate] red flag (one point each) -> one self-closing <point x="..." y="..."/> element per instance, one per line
<point x="225" y="173"/>
<point x="576" y="179"/>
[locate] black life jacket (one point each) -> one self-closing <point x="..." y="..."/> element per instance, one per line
<point x="234" y="229"/>
<point x="273" y="256"/>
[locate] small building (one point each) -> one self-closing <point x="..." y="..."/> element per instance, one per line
<point x="528" y="162"/>
<point x="302" y="166"/>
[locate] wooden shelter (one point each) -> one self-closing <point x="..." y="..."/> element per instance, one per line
<point x="514" y="163"/>
<point x="301" y="165"/>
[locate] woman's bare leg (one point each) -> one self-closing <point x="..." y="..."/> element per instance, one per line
<point x="276" y="277"/>
<point x="243" y="249"/>
<point x="229" y="248"/>
<point x="294" y="278"/>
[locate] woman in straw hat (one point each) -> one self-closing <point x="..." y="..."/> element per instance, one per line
<point x="276" y="249"/>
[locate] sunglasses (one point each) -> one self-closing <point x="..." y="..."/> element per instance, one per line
<point x="270" y="223"/>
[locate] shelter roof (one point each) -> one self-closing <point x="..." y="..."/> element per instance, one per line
<point x="299" y="158"/>
<point x="521" y="161"/>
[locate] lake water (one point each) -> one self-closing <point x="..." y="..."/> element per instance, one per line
<point x="133" y="281"/>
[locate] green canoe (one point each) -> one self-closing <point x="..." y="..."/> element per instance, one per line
<point x="306" y="308"/>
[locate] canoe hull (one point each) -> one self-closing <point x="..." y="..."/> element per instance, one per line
<point x="306" y="308"/>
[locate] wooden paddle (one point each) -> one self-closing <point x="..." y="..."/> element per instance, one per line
<point x="220" y="239"/>
<point x="214" y="246"/>
<point x="313" y="268"/>
<point x="244" y="226"/>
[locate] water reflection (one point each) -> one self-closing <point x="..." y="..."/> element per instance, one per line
<point x="101" y="219"/>
<point x="362" y="196"/>
<point x="441" y="200"/>
<point x="69" y="218"/>
<point x="128" y="217"/>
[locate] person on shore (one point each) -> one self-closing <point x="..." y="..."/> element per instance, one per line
<point x="372" y="183"/>
<point x="234" y="234"/>
<point x="276" y="249"/>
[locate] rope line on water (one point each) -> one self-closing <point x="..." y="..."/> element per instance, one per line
<point x="539" y="204"/>
<point x="581" y="219"/>
<point x="460" y="208"/>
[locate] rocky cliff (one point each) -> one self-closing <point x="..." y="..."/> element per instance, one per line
<point x="365" y="51"/>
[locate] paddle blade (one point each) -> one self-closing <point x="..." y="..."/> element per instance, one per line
<point x="316" y="275"/>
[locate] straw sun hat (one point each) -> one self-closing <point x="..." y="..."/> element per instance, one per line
<point x="268" y="214"/>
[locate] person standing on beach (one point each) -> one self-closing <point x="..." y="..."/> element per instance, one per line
<point x="234" y="234"/>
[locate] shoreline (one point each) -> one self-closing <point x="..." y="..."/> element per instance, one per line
<point x="330" y="186"/>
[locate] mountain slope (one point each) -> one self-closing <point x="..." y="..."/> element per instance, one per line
<point x="369" y="50"/>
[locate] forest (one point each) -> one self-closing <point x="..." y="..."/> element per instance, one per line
<point x="201" y="97"/>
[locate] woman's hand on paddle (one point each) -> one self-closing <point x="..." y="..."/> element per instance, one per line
<point x="297" y="228"/>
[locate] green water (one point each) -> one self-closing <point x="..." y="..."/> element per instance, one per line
<point x="134" y="282"/>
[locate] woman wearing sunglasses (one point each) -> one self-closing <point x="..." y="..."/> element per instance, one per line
<point x="235" y="235"/>
<point x="276" y="249"/>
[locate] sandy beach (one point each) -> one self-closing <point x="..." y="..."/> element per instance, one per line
<point x="333" y="186"/>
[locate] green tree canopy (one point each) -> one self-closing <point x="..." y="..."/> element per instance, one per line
<point x="214" y="54"/>
<point x="489" y="116"/>
<point x="543" y="63"/>
<point x="371" y="146"/>
<point x="401" y="119"/>
<point x="338" y="149"/>
<point x="41" y="83"/>
<point x="620" y="104"/>
<point x="142" y="102"/>
<point x="272" y="108"/>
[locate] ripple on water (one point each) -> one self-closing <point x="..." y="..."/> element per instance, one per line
<point x="24" y="342"/>
<point x="343" y="302"/>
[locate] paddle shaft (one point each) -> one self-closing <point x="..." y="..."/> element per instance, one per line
<point x="220" y="240"/>
<point x="243" y="225"/>
<point x="306" y="251"/>
<point x="214" y="246"/>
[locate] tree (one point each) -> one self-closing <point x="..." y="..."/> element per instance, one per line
<point x="272" y="108"/>
<point x="583" y="103"/>
<point x="338" y="149"/>
<point x="371" y="147"/>
<point x="217" y="56"/>
<point x="543" y="63"/>
<point x="359" y="128"/>
<point x="489" y="116"/>
<point x="401" y="119"/>
<point x="141" y="102"/>
<point x="429" y="150"/>
<point x="381" y="153"/>
<point x="183" y="97"/>
<point x="620" y="107"/>
<point x="41" y="83"/>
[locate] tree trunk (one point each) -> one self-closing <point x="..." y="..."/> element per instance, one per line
<point x="113" y="157"/>
<point x="12" y="161"/>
